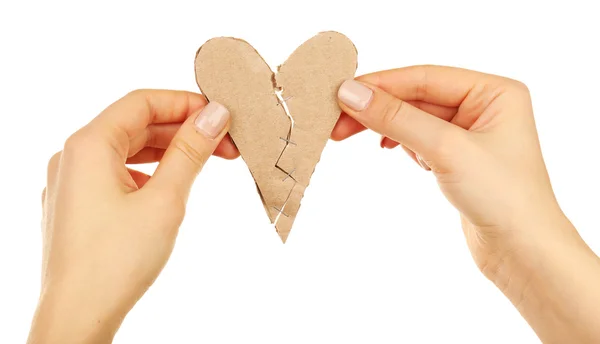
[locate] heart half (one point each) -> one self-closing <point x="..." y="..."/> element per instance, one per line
<point x="281" y="121"/>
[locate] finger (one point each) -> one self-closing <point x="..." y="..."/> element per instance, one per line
<point x="154" y="136"/>
<point x="194" y="143"/>
<point x="388" y="143"/>
<point x="468" y="91"/>
<point x="415" y="129"/>
<point x="138" y="177"/>
<point x="227" y="149"/>
<point x="439" y="85"/>
<point x="146" y="156"/>
<point x="347" y="126"/>
<point x="131" y="115"/>
<point x="443" y="112"/>
<point x="416" y="158"/>
<point x="160" y="136"/>
<point x="422" y="163"/>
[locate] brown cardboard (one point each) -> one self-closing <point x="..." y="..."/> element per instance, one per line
<point x="280" y="156"/>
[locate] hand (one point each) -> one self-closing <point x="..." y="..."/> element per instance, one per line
<point x="108" y="230"/>
<point x="476" y="133"/>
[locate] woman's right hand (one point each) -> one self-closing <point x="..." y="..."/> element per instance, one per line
<point x="476" y="133"/>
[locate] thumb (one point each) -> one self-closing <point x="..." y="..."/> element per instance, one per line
<point x="427" y="135"/>
<point x="194" y="143"/>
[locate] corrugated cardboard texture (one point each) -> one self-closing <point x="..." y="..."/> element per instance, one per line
<point x="280" y="153"/>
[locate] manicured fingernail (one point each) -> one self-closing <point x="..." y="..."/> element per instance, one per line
<point x="212" y="119"/>
<point x="355" y="95"/>
<point x="423" y="164"/>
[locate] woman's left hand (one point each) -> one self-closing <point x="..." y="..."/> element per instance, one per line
<point x="108" y="230"/>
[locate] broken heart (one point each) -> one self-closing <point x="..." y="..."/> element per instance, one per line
<point x="281" y="121"/>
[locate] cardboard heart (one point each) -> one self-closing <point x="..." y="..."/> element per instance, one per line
<point x="281" y="121"/>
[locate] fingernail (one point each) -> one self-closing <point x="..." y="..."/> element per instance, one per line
<point x="212" y="119"/>
<point x="422" y="163"/>
<point x="355" y="95"/>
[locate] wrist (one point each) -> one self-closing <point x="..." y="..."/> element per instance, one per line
<point x="550" y="275"/>
<point x="62" y="319"/>
<point x="521" y="243"/>
<point x="523" y="247"/>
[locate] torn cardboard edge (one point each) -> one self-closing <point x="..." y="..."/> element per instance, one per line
<point x="281" y="121"/>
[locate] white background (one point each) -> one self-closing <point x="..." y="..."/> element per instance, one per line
<point x="376" y="254"/>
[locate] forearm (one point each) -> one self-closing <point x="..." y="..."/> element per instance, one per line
<point x="554" y="282"/>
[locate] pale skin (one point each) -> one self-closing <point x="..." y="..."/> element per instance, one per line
<point x="475" y="132"/>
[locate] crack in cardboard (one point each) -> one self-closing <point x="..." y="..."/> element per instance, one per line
<point x="282" y="101"/>
<point x="278" y="90"/>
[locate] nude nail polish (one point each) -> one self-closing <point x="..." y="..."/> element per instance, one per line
<point x="212" y="119"/>
<point x="355" y="95"/>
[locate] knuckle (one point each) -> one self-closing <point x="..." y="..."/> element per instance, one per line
<point x="74" y="142"/>
<point x="421" y="89"/>
<point x="197" y="156"/>
<point x="144" y="96"/>
<point x="515" y="86"/>
<point x="81" y="142"/>
<point x="54" y="160"/>
<point x="482" y="95"/>
<point x="141" y="95"/>
<point x="77" y="142"/>
<point x="138" y="93"/>
<point x="520" y="87"/>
